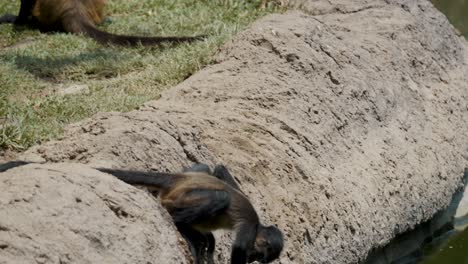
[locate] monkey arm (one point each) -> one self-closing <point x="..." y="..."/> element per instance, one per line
<point x="246" y="223"/>
<point x="245" y="240"/>
<point x="222" y="173"/>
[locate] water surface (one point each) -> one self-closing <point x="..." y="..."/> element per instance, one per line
<point x="456" y="11"/>
<point x="454" y="251"/>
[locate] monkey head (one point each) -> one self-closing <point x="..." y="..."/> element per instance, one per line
<point x="268" y="245"/>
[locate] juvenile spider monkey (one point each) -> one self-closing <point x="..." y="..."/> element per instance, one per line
<point x="200" y="202"/>
<point x="78" y="17"/>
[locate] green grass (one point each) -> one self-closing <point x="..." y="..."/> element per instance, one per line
<point x="34" y="65"/>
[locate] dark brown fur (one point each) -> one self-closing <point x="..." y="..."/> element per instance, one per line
<point x="200" y="202"/>
<point x="78" y="17"/>
<point x="239" y="210"/>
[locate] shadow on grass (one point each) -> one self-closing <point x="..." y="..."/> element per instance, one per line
<point x="97" y="64"/>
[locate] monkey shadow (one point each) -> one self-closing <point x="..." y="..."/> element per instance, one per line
<point x="99" y="64"/>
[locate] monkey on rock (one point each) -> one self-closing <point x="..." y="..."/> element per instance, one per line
<point x="201" y="201"/>
<point x="78" y="17"/>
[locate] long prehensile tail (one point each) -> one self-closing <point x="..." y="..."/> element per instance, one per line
<point x="159" y="180"/>
<point x="123" y="40"/>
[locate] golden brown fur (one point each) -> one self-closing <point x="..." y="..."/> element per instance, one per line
<point x="176" y="196"/>
<point x="78" y="17"/>
<point x="200" y="202"/>
<point x="61" y="14"/>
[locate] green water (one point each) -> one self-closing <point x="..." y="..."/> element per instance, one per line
<point x="456" y="11"/>
<point x="454" y="251"/>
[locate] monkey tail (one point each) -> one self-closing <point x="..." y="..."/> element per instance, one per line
<point x="159" y="180"/>
<point x="105" y="38"/>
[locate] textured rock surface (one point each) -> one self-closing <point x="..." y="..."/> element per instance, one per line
<point x="65" y="213"/>
<point x="320" y="7"/>
<point x="345" y="128"/>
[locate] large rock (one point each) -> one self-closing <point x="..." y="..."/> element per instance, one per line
<point x="320" y="7"/>
<point x="65" y="213"/>
<point x="345" y="128"/>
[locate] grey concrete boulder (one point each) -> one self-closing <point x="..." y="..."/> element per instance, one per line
<point x="69" y="213"/>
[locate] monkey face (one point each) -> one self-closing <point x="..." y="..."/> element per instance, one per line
<point x="268" y="245"/>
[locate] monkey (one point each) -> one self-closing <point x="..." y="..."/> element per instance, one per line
<point x="201" y="202"/>
<point x="78" y="17"/>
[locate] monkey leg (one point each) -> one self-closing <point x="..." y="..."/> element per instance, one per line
<point x="222" y="173"/>
<point x="199" y="208"/>
<point x="201" y="245"/>
<point x="198" y="167"/>
<point x="211" y="243"/>
<point x="23" y="15"/>
<point x="197" y="242"/>
<point x="25" y="12"/>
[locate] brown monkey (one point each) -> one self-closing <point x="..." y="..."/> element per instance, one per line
<point x="78" y="17"/>
<point x="200" y="202"/>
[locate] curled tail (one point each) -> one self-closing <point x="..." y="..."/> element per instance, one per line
<point x="80" y="26"/>
<point x="153" y="179"/>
